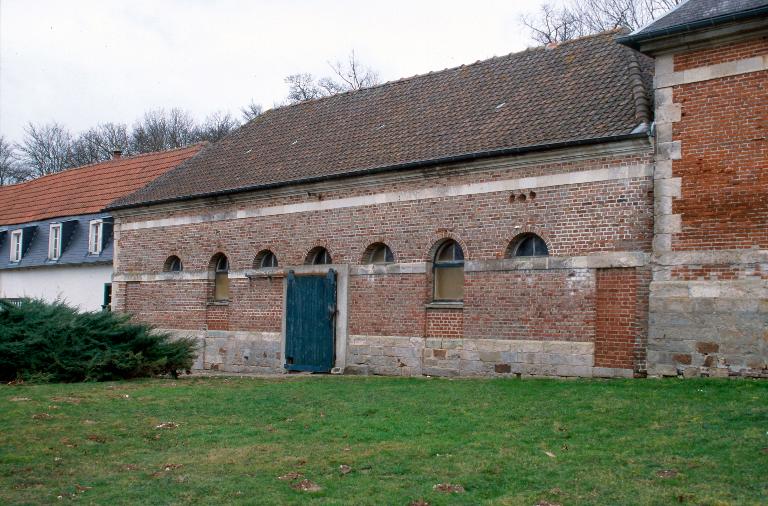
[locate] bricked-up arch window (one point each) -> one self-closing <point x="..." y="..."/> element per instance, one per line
<point x="448" y="269"/>
<point x="173" y="264"/>
<point x="220" y="265"/>
<point x="265" y="260"/>
<point x="379" y="253"/>
<point x="528" y="245"/>
<point x="319" y="256"/>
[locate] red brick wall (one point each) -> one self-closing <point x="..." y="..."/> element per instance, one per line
<point x="617" y="214"/>
<point x="388" y="304"/>
<point x="574" y="220"/>
<point x="721" y="54"/>
<point x="619" y="322"/>
<point x="217" y="317"/>
<point x="256" y="305"/>
<point x="724" y="165"/>
<point x="530" y="304"/>
<point x="167" y="304"/>
<point x="445" y="323"/>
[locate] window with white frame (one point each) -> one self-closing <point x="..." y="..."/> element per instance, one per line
<point x="16" y="246"/>
<point x="54" y="241"/>
<point x="94" y="237"/>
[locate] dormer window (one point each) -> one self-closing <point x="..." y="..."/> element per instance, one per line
<point x="54" y="242"/>
<point x="16" y="246"/>
<point x="95" y="232"/>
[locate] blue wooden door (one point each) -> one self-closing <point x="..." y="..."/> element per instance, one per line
<point x="310" y="322"/>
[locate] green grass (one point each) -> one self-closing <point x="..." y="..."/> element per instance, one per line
<point x="400" y="437"/>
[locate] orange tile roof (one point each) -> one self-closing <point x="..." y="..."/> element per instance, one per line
<point x="87" y="189"/>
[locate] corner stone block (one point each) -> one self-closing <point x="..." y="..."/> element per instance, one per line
<point x="669" y="151"/>
<point x="670" y="187"/>
<point x="668" y="224"/>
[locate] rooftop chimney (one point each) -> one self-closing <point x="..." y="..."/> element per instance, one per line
<point x="117" y="154"/>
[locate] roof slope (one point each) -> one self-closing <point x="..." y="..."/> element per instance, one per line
<point x="582" y="89"/>
<point x="86" y="189"/>
<point x="698" y="13"/>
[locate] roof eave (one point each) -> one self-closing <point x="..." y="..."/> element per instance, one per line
<point x="635" y="40"/>
<point x="390" y="168"/>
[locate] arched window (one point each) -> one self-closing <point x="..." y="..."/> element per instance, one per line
<point x="379" y="253"/>
<point x="448" y="270"/>
<point x="528" y="245"/>
<point x="319" y="256"/>
<point x="265" y="260"/>
<point x="173" y="264"/>
<point x="220" y="266"/>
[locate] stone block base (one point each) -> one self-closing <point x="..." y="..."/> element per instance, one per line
<point x="236" y="352"/>
<point x="708" y="328"/>
<point x="452" y="357"/>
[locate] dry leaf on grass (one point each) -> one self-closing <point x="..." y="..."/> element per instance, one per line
<point x="449" y="488"/>
<point x="89" y="422"/>
<point x="41" y="416"/>
<point x="345" y="469"/>
<point x="550" y="455"/>
<point x="307" y="486"/>
<point x="167" y="425"/>
<point x="82" y="488"/>
<point x="293" y="475"/>
<point x="19" y="399"/>
<point x="96" y="438"/>
<point x="67" y="442"/>
<point x="666" y="473"/>
<point x="67" y="399"/>
<point x="171" y="467"/>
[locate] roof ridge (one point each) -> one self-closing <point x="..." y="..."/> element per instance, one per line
<point x="441" y="71"/>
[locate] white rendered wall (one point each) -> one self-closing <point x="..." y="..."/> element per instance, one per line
<point x="81" y="286"/>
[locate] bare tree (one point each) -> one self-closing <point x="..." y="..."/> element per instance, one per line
<point x="251" y="111"/>
<point x="160" y="129"/>
<point x="350" y="75"/>
<point x="46" y="149"/>
<point x="353" y="74"/>
<point x="302" y="87"/>
<point x="551" y="24"/>
<point x="576" y="18"/>
<point x="216" y="126"/>
<point x="10" y="170"/>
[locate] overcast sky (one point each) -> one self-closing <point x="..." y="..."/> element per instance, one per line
<point x="84" y="62"/>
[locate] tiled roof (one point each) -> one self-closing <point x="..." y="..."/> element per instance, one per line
<point x="582" y="89"/>
<point x="698" y="13"/>
<point x="87" y="189"/>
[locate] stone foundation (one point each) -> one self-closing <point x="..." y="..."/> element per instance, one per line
<point x="408" y="356"/>
<point x="708" y="328"/>
<point x="236" y="352"/>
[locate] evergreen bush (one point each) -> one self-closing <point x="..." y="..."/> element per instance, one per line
<point x="56" y="343"/>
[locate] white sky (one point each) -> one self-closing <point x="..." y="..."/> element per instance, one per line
<point x="83" y="62"/>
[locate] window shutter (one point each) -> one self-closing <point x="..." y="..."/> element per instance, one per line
<point x="68" y="229"/>
<point x="106" y="234"/>
<point x="27" y="235"/>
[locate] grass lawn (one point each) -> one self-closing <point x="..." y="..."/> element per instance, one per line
<point x="527" y="442"/>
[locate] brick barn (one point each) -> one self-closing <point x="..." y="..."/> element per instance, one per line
<point x="553" y="212"/>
